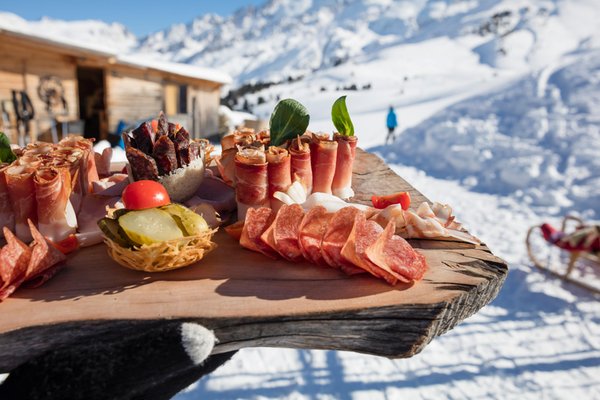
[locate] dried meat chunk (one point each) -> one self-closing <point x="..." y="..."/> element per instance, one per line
<point x="172" y="129"/>
<point x="335" y="238"/>
<point x="143" y="137"/>
<point x="181" y="140"/>
<point x="311" y="232"/>
<point x="164" y="155"/>
<point x="162" y="128"/>
<point x="142" y="165"/>
<point x="256" y="223"/>
<point x="392" y="253"/>
<point x="286" y="231"/>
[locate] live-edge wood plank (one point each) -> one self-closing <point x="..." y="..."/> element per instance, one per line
<point x="250" y="300"/>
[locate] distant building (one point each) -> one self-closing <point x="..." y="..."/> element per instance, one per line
<point x="80" y="89"/>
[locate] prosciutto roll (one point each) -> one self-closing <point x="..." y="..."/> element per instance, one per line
<point x="279" y="173"/>
<point x="342" y="180"/>
<point x="323" y="160"/>
<point x="301" y="169"/>
<point x="88" y="172"/>
<point x="21" y="192"/>
<point x="56" y="216"/>
<point x="7" y="216"/>
<point x="251" y="180"/>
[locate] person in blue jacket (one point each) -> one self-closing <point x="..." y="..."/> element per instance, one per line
<point x="392" y="123"/>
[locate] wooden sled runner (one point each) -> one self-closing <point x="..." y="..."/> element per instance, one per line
<point x="579" y="245"/>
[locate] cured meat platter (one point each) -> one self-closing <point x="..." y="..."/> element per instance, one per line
<point x="250" y="300"/>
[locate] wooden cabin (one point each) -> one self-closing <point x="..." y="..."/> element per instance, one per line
<point x="72" y="88"/>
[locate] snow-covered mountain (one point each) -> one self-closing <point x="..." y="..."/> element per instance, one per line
<point x="112" y="37"/>
<point x="294" y="38"/>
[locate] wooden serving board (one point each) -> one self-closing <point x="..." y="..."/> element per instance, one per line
<point x="250" y="300"/>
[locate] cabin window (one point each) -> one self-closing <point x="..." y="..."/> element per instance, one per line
<point x="176" y="99"/>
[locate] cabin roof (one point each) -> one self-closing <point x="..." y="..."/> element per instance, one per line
<point x="72" y="46"/>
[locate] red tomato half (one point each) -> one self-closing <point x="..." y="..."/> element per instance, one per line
<point x="402" y="198"/>
<point x="145" y="194"/>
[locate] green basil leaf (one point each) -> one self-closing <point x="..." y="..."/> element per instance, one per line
<point x="6" y="153"/>
<point x="341" y="117"/>
<point x="289" y="119"/>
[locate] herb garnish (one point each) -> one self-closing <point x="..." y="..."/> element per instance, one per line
<point x="289" y="119"/>
<point x="6" y="153"/>
<point x="341" y="117"/>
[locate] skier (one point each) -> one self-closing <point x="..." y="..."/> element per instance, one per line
<point x="392" y="123"/>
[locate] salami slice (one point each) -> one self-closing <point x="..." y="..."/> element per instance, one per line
<point x="365" y="233"/>
<point x="311" y="232"/>
<point x="256" y="223"/>
<point x="14" y="259"/>
<point x="43" y="254"/>
<point x="392" y="253"/>
<point x="335" y="238"/>
<point x="286" y="231"/>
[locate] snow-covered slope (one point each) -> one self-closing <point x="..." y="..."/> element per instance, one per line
<point x="287" y="38"/>
<point x="88" y="33"/>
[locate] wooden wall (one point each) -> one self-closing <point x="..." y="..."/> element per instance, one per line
<point x="22" y="65"/>
<point x="131" y="93"/>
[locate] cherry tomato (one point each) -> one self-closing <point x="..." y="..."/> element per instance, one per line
<point x="402" y="198"/>
<point x="145" y="194"/>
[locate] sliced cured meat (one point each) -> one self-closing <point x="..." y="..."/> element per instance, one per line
<point x="311" y="232"/>
<point x="164" y="155"/>
<point x="286" y="231"/>
<point x="88" y="171"/>
<point x="56" y="217"/>
<point x="251" y="180"/>
<point x="7" y="216"/>
<point x="279" y="173"/>
<point x="256" y="223"/>
<point x="336" y="236"/>
<point x="365" y="233"/>
<point x="392" y="253"/>
<point x="103" y="162"/>
<point x="43" y="254"/>
<point x="323" y="159"/>
<point x="21" y="191"/>
<point x="301" y="169"/>
<point x="14" y="259"/>
<point x="342" y="180"/>
<point x="142" y="165"/>
<point x="226" y="165"/>
<point x="162" y="127"/>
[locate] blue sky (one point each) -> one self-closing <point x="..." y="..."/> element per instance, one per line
<point x="140" y="17"/>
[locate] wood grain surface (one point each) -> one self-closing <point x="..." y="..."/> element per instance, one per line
<point x="250" y="300"/>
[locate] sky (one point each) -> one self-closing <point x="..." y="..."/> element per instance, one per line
<point x="140" y="17"/>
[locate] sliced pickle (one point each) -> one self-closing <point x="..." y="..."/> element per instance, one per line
<point x="114" y="232"/>
<point x="150" y="226"/>
<point x="119" y="212"/>
<point x="189" y="222"/>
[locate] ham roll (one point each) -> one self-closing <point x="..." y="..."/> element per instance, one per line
<point x="21" y="192"/>
<point x="323" y="160"/>
<point x="7" y="216"/>
<point x="55" y="214"/>
<point x="301" y="168"/>
<point x="342" y="180"/>
<point x="279" y="173"/>
<point x="251" y="180"/>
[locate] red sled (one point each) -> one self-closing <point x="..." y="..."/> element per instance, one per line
<point x="580" y="245"/>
